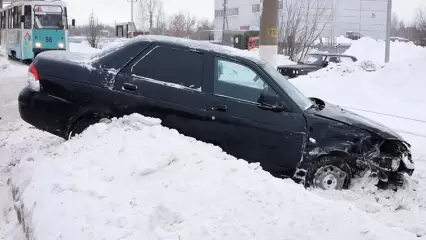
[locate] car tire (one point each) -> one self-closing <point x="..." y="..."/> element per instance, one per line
<point x="82" y="125"/>
<point x="329" y="173"/>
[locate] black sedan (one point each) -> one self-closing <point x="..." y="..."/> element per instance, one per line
<point x="218" y="95"/>
<point x="313" y="62"/>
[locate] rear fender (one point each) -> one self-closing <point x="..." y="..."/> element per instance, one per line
<point x="92" y="111"/>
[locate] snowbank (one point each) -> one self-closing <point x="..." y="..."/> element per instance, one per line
<point x="82" y="47"/>
<point x="395" y="89"/>
<point x="369" y="49"/>
<point x="4" y="63"/>
<point x="135" y="179"/>
<point x="393" y="94"/>
<point x="284" y="60"/>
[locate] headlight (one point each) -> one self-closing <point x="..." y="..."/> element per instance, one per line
<point x="38" y="45"/>
<point x="395" y="164"/>
<point x="61" y="45"/>
<point x="409" y="163"/>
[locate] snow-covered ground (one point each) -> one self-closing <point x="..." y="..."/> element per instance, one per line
<point x="119" y="181"/>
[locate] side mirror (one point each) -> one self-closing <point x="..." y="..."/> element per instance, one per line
<point x="272" y="103"/>
<point x="22" y="19"/>
<point x="73" y="22"/>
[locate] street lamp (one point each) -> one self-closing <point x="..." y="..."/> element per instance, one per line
<point x="388" y="31"/>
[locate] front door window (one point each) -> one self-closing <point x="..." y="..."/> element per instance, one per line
<point x="240" y="82"/>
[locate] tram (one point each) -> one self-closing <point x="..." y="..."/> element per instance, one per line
<point x="28" y="27"/>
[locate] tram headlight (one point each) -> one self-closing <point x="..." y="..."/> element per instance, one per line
<point x="61" y="45"/>
<point x="38" y="45"/>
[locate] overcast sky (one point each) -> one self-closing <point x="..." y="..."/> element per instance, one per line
<point x="109" y="11"/>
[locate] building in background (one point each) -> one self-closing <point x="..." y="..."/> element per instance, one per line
<point x="366" y="17"/>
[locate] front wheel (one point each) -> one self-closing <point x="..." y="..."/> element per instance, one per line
<point x="329" y="173"/>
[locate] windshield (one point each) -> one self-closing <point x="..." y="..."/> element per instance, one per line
<point x="313" y="60"/>
<point x="301" y="100"/>
<point x="48" y="17"/>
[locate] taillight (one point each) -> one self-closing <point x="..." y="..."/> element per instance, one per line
<point x="33" y="71"/>
<point x="33" y="78"/>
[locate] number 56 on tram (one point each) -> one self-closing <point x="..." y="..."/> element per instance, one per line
<point x="29" y="27"/>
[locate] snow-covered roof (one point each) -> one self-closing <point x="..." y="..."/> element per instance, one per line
<point x="195" y="44"/>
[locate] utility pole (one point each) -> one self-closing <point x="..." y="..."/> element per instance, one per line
<point x="268" y="48"/>
<point x="388" y="31"/>
<point x="225" y="18"/>
<point x="131" y="18"/>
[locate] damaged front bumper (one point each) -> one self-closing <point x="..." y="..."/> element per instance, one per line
<point x="390" y="167"/>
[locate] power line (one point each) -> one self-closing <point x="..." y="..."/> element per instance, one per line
<point x="387" y="114"/>
<point x="394" y="116"/>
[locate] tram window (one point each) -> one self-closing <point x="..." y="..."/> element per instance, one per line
<point x="27" y="14"/>
<point x="2" y="20"/>
<point x="18" y="13"/>
<point x="10" y="19"/>
<point x="15" y="17"/>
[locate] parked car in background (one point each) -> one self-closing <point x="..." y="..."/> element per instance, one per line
<point x="313" y="62"/>
<point x="219" y="95"/>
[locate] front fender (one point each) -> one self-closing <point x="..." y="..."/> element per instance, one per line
<point x="328" y="137"/>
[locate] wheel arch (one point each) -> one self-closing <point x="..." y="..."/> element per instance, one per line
<point x="95" y="112"/>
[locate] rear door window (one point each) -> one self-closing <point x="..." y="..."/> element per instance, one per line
<point x="175" y="67"/>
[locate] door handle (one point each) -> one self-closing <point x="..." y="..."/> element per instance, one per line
<point x="130" y="87"/>
<point x="219" y="108"/>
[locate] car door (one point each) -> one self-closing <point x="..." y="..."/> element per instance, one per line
<point x="248" y="129"/>
<point x="165" y="82"/>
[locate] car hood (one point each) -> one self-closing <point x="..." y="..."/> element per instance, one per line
<point x="337" y="113"/>
<point x="300" y="66"/>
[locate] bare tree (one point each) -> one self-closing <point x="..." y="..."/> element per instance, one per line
<point x="203" y="30"/>
<point x="190" y="24"/>
<point x="182" y="25"/>
<point x="302" y="22"/>
<point x="148" y="11"/>
<point x="421" y="26"/>
<point x="160" y="18"/>
<point x="395" y="24"/>
<point x="93" y="31"/>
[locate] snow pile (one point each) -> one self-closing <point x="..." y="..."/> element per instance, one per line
<point x="111" y="44"/>
<point x="396" y="89"/>
<point x="369" y="49"/>
<point x="284" y="60"/>
<point x="345" y="68"/>
<point x="120" y="180"/>
<point x="17" y="141"/>
<point x="82" y="47"/>
<point x="392" y="94"/>
<point x="4" y="63"/>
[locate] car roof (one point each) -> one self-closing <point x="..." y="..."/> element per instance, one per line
<point x="331" y="54"/>
<point x="201" y="45"/>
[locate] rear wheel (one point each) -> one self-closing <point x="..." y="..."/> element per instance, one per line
<point x="81" y="125"/>
<point x="329" y="173"/>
